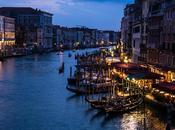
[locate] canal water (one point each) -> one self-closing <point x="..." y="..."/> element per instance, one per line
<point x="33" y="96"/>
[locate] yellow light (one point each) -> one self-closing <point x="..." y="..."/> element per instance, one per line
<point x="162" y="92"/>
<point x="112" y="54"/>
<point x="156" y="90"/>
<point x="167" y="94"/>
<point x="126" y="61"/>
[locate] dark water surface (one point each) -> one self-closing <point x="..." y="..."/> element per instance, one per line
<point x="33" y="97"/>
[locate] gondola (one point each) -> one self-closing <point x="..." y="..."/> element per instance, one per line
<point x="69" y="55"/>
<point x="122" y="108"/>
<point x="86" y="90"/>
<point x="61" y="69"/>
<point x="72" y="81"/>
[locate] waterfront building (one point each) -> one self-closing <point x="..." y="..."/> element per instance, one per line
<point x="112" y="37"/>
<point x="152" y="35"/>
<point x="136" y="33"/>
<point x="167" y="55"/>
<point x="67" y="37"/>
<point x="136" y="41"/>
<point x="7" y="35"/>
<point x="33" y="26"/>
<point x="155" y="28"/>
<point x="144" y="34"/>
<point x="57" y="36"/>
<point x="80" y="37"/>
<point x="83" y="37"/>
<point x="99" y="37"/>
<point x="126" y="27"/>
<point x="106" y="36"/>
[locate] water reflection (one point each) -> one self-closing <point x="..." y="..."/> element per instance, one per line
<point x="75" y="98"/>
<point x="98" y="115"/>
<point x="89" y="111"/>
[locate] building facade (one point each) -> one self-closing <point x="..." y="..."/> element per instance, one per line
<point x="126" y="27"/>
<point x="153" y="34"/>
<point x="83" y="37"/>
<point x="7" y="35"/>
<point x="33" y="26"/>
<point x="168" y="36"/>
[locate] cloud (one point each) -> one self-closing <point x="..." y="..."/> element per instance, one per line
<point x="54" y="5"/>
<point x="48" y="5"/>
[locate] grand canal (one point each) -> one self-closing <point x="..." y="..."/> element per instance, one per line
<point x="33" y="97"/>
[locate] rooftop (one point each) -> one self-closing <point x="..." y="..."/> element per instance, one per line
<point x="22" y="10"/>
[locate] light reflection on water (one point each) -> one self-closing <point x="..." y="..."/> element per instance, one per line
<point x="33" y="97"/>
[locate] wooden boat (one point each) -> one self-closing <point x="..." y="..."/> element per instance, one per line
<point x="122" y="108"/>
<point x="116" y="105"/>
<point x="85" y="86"/>
<point x="72" y="81"/>
<point x="100" y="104"/>
<point x="75" y="90"/>
<point x="69" y="55"/>
<point x="83" y="89"/>
<point x="61" y="69"/>
<point x="93" y="101"/>
<point x="76" y="57"/>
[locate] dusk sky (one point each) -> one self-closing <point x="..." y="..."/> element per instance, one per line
<point x="100" y="14"/>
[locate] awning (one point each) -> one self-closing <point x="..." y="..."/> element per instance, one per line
<point x="144" y="75"/>
<point x="167" y="87"/>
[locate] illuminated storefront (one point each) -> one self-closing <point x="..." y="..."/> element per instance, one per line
<point x="166" y="72"/>
<point x="7" y="35"/>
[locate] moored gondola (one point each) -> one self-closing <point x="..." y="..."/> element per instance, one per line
<point x="69" y="55"/>
<point x="83" y="89"/>
<point x="72" y="81"/>
<point x="61" y="68"/>
<point x="123" y="106"/>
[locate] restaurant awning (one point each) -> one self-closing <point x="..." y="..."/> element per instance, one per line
<point x="144" y="75"/>
<point x="165" y="86"/>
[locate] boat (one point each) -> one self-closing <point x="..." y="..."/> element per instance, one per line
<point x="123" y="106"/>
<point x="69" y="55"/>
<point x="93" y="100"/>
<point x="82" y="83"/>
<point x="100" y="104"/>
<point x="61" y="68"/>
<point x="78" y="91"/>
<point x="117" y="104"/>
<point x="72" y="81"/>
<point x="76" y="56"/>
<point x="86" y="89"/>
